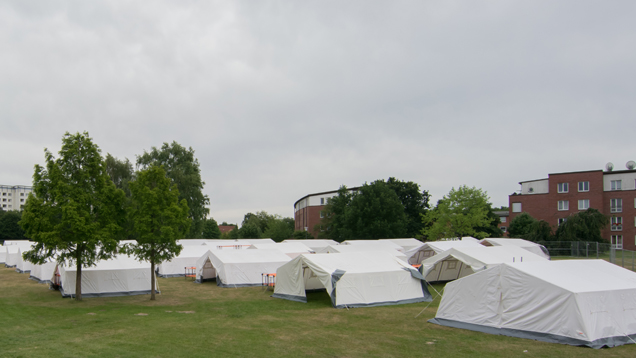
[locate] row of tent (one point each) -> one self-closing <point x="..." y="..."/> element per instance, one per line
<point x="500" y="286"/>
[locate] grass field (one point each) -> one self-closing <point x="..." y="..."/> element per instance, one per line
<point x="203" y="320"/>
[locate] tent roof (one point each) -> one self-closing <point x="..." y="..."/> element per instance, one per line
<point x="119" y="262"/>
<point x="374" y="243"/>
<point x="286" y="247"/>
<point x="357" y="262"/>
<point x="249" y="256"/>
<point x="580" y="276"/>
<point x="440" y="246"/>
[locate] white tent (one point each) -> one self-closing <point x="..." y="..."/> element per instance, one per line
<point x="525" y="244"/>
<point x="432" y="248"/>
<point x="383" y="245"/>
<point x="255" y="241"/>
<point x="238" y="268"/>
<point x="340" y="249"/>
<point x="577" y="302"/>
<point x="288" y="248"/>
<point x="187" y="258"/>
<point x="352" y="279"/>
<point x="3" y="254"/>
<point x="120" y="276"/>
<point x="43" y="273"/>
<point x="407" y="244"/>
<point x="315" y="245"/>
<point x="13" y="255"/>
<point x="23" y="266"/>
<point x="463" y="261"/>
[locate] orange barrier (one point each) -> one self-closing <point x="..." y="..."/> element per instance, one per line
<point x="190" y="272"/>
<point x="268" y="280"/>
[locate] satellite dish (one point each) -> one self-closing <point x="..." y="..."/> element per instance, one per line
<point x="631" y="165"/>
<point x="609" y="167"/>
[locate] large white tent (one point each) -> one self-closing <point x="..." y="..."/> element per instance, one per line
<point x="382" y="245"/>
<point x="120" y="276"/>
<point x="463" y="261"/>
<point x="358" y="279"/>
<point x="23" y="266"/>
<point x="3" y="254"/>
<point x="43" y="273"/>
<point x="578" y="302"/>
<point x="13" y="255"/>
<point x="291" y="249"/>
<point x="339" y="249"/>
<point x="406" y="243"/>
<point x="432" y="248"/>
<point x="315" y="245"/>
<point x="178" y="265"/>
<point x="239" y="268"/>
<point x="525" y="244"/>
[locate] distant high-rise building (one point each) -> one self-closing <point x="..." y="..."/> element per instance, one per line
<point x="13" y="197"/>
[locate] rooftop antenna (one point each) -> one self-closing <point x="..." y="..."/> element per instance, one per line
<point x="631" y="165"/>
<point x="609" y="167"/>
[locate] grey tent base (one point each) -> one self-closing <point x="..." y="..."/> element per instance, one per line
<point x="109" y="294"/>
<point x="290" y="297"/>
<point x="20" y="271"/>
<point x="9" y="266"/>
<point x="538" y="336"/>
<point x="38" y="280"/>
<point x="231" y="285"/>
<point x="387" y="303"/>
<point x="171" y="275"/>
<point x="201" y="280"/>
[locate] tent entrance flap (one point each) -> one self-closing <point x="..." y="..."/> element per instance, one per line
<point x="335" y="277"/>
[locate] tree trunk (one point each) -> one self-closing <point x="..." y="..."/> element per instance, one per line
<point x="152" y="275"/>
<point x="78" y="277"/>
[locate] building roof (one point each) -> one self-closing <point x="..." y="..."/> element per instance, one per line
<point x="324" y="192"/>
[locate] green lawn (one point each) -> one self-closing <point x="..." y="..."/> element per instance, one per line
<point x="203" y="320"/>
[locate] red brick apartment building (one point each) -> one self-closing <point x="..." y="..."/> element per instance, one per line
<point x="562" y="194"/>
<point x="309" y="210"/>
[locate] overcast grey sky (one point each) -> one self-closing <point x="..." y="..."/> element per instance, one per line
<point x="280" y="99"/>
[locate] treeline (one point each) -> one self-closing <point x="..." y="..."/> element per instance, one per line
<point x="583" y="226"/>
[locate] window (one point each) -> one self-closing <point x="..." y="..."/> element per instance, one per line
<point x="503" y="219"/>
<point x="617" y="223"/>
<point x="322" y="214"/>
<point x="584" y="204"/>
<point x="452" y="265"/>
<point x="503" y="229"/>
<point x="615" y="185"/>
<point x="617" y="241"/>
<point x="516" y="207"/>
<point x="22" y="200"/>
<point x="21" y="194"/>
<point x="616" y="205"/>
<point x="584" y="186"/>
<point x="564" y="205"/>
<point x="562" y="220"/>
<point x="562" y="187"/>
<point x="322" y="201"/>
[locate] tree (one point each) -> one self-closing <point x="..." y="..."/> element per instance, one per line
<point x="414" y="201"/>
<point x="211" y="229"/>
<point x="249" y="231"/>
<point x="583" y="226"/>
<point x="492" y="229"/>
<point x="120" y="172"/>
<point x="302" y="235"/>
<point x="520" y="225"/>
<point x="183" y="169"/>
<point x="373" y="212"/>
<point x="460" y="213"/>
<point x="539" y="231"/>
<point x="9" y="226"/>
<point x="73" y="211"/>
<point x="278" y="230"/>
<point x="159" y="219"/>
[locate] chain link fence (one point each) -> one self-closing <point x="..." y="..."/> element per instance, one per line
<point x="591" y="250"/>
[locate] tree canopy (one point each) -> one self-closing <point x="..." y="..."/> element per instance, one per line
<point x="182" y="168"/>
<point x="414" y="201"/>
<point x="520" y="225"/>
<point x="211" y="229"/>
<point x="374" y="211"/>
<point x="583" y="226"/>
<point x="73" y="211"/>
<point x="159" y="218"/>
<point x="10" y="228"/>
<point x="120" y="172"/>
<point x="462" y="212"/>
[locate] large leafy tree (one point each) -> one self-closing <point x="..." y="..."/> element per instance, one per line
<point x="9" y="226"/>
<point x="374" y="211"/>
<point x="583" y="226"/>
<point x="183" y="169"/>
<point x="211" y="229"/>
<point x="279" y="230"/>
<point x="73" y="211"/>
<point x="120" y="172"/>
<point x="159" y="219"/>
<point x="462" y="212"/>
<point x="520" y="225"/>
<point x="414" y="201"/>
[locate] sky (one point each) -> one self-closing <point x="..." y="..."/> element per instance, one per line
<point x="281" y="99"/>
